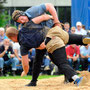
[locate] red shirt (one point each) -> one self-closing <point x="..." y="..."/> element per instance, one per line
<point x="72" y="50"/>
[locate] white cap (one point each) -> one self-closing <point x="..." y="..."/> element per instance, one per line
<point x="78" y="24"/>
<point x="1" y="29"/>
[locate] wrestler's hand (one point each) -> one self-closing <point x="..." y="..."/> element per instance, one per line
<point x="57" y="24"/>
<point x="42" y="46"/>
<point x="23" y="74"/>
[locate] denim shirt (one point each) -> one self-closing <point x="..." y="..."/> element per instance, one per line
<point x="37" y="11"/>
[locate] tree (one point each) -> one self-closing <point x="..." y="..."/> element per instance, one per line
<point x="1" y="4"/>
<point x="4" y="17"/>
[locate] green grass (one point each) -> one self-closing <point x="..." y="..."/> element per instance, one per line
<point x="28" y="77"/>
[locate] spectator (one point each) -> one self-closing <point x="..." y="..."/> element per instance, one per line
<point x="73" y="52"/>
<point x="83" y="27"/>
<point x="16" y="48"/>
<point x="2" y="35"/>
<point x="85" y="56"/>
<point x="46" y="61"/>
<point x="79" y="29"/>
<point x="73" y="30"/>
<point x="7" y="26"/>
<point x="7" y="57"/>
<point x="31" y="56"/>
<point x="67" y="27"/>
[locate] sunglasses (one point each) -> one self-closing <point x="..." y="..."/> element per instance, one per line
<point x="73" y="30"/>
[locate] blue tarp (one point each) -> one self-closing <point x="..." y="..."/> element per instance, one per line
<point x="80" y="11"/>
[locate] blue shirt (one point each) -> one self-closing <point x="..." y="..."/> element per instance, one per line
<point x="3" y="37"/>
<point x="84" y="51"/>
<point x="37" y="11"/>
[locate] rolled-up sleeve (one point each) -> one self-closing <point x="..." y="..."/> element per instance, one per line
<point x="36" y="11"/>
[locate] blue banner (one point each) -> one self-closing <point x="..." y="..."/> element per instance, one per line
<point x="80" y="11"/>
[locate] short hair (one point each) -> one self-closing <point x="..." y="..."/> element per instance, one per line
<point x="2" y="29"/>
<point x="16" y="14"/>
<point x="11" y="32"/>
<point x="67" y="23"/>
<point x="73" y="28"/>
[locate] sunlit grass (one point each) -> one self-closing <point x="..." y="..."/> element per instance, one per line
<point x="28" y="77"/>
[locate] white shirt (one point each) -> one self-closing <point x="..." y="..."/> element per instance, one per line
<point x="17" y="46"/>
<point x="81" y="32"/>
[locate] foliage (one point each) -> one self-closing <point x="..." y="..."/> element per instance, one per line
<point x="4" y="18"/>
<point x="1" y="4"/>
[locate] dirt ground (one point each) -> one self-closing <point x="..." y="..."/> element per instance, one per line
<point x="46" y="84"/>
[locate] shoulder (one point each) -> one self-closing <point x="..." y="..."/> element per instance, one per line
<point x="84" y="31"/>
<point x="82" y="47"/>
<point x="68" y="47"/>
<point x="77" y="47"/>
<point x="89" y="47"/>
<point x="16" y="45"/>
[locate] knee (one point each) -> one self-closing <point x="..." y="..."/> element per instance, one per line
<point x="70" y="60"/>
<point x="88" y="59"/>
<point x="1" y="60"/>
<point x="15" y="60"/>
<point x="78" y="60"/>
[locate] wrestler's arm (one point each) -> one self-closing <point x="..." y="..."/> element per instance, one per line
<point x="50" y="8"/>
<point x="42" y="46"/>
<point x="42" y="18"/>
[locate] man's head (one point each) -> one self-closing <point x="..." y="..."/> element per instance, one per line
<point x="19" y="16"/>
<point x="6" y="42"/>
<point x="66" y="26"/>
<point x="73" y="30"/>
<point x="79" y="25"/>
<point x="73" y="45"/>
<point x="12" y="33"/>
<point x="2" y="30"/>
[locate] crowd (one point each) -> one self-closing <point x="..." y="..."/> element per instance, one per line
<point x="11" y="61"/>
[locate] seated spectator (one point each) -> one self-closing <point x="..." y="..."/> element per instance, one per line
<point x="32" y="54"/>
<point x="73" y="30"/>
<point x="55" y="70"/>
<point x="79" y="29"/>
<point x="7" y="26"/>
<point x="16" y="48"/>
<point x="2" y="35"/>
<point x="85" y="56"/>
<point x="31" y="57"/>
<point x="7" y="57"/>
<point x="73" y="52"/>
<point x="67" y="27"/>
<point x="46" y="62"/>
<point x="83" y="27"/>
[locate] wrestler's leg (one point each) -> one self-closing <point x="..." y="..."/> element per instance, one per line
<point x="78" y="39"/>
<point x="37" y="66"/>
<point x="58" y="57"/>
